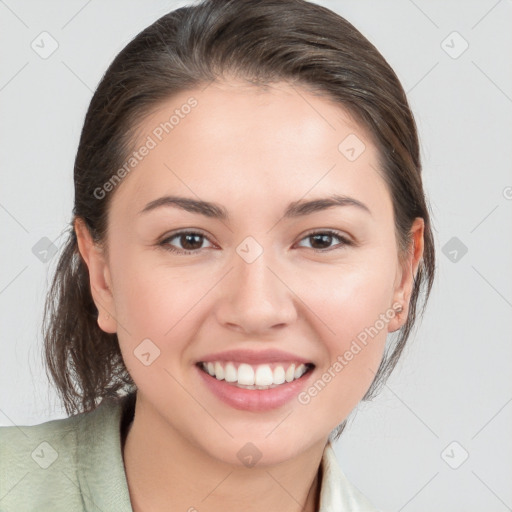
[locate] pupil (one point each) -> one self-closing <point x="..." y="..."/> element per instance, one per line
<point x="324" y="240"/>
<point x="187" y="241"/>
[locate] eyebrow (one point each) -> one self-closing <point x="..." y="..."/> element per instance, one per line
<point x="216" y="211"/>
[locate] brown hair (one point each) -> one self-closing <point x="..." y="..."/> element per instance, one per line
<point x="263" y="41"/>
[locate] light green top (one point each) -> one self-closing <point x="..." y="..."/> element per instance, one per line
<point x="76" y="464"/>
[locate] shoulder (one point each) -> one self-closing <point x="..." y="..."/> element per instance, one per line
<point x="36" y="461"/>
<point x="49" y="466"/>
<point x="14" y="440"/>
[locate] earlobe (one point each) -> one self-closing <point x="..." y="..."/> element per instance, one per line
<point x="99" y="276"/>
<point x="407" y="275"/>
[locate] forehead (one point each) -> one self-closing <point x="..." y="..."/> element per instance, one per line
<point x="232" y="140"/>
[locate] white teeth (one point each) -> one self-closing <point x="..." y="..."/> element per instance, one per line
<point x="255" y="377"/>
<point x="299" y="371"/>
<point x="290" y="373"/>
<point x="245" y="375"/>
<point x="264" y="376"/>
<point x="231" y="374"/>
<point x="219" y="371"/>
<point x="279" y="375"/>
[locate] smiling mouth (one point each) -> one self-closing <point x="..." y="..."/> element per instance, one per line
<point x="261" y="376"/>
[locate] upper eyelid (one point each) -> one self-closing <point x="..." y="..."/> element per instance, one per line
<point x="195" y="231"/>
<point x="329" y="231"/>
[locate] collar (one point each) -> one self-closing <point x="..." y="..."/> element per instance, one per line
<point x="101" y="473"/>
<point x="100" y="468"/>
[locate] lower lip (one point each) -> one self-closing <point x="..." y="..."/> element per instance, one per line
<point x="254" y="399"/>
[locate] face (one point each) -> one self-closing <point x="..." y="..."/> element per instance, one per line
<point x="275" y="247"/>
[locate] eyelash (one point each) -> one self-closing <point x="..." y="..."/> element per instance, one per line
<point x="166" y="246"/>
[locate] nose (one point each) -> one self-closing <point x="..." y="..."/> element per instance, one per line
<point x="254" y="298"/>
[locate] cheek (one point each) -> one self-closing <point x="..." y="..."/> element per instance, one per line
<point x="156" y="304"/>
<point x="145" y="308"/>
<point x="350" y="297"/>
<point x="352" y="325"/>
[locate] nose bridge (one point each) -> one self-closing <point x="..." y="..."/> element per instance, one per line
<point x="255" y="299"/>
<point x="256" y="279"/>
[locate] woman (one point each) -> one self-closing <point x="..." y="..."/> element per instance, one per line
<point x="249" y="226"/>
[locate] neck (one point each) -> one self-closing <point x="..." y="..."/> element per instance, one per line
<point x="162" y="473"/>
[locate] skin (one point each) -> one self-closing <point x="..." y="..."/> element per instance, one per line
<point x="253" y="152"/>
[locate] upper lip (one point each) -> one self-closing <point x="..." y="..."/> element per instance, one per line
<point x="254" y="357"/>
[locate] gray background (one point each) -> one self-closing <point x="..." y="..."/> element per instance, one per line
<point x="451" y="394"/>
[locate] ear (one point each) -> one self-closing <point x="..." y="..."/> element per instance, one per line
<point x="99" y="277"/>
<point x="407" y="270"/>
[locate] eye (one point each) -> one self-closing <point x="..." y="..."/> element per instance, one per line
<point x="321" y="241"/>
<point x="189" y="242"/>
